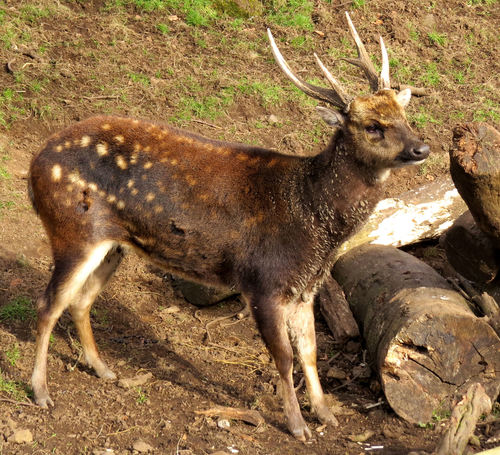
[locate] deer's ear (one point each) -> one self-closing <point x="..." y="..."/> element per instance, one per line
<point x="403" y="97"/>
<point x="332" y="118"/>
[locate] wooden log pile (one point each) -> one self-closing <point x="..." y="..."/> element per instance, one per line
<point x="425" y="343"/>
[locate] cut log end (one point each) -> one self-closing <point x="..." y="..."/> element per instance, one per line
<point x="426" y="344"/>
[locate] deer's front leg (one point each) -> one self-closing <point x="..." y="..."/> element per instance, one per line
<point x="303" y="336"/>
<point x="270" y="315"/>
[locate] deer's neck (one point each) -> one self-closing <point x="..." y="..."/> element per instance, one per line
<point x="341" y="191"/>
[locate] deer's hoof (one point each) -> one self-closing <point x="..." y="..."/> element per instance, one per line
<point x="44" y="401"/>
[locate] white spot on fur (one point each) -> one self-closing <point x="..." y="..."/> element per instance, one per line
<point x="120" y="162"/>
<point x="106" y="126"/>
<point x="56" y="173"/>
<point x="85" y="141"/>
<point x="150" y="197"/>
<point x="148" y="165"/>
<point x="102" y="148"/>
<point x="119" y="139"/>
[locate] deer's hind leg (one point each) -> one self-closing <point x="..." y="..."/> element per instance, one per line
<point x="72" y="281"/>
<point x="80" y="310"/>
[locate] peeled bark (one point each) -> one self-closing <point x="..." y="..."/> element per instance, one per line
<point x="421" y="214"/>
<point x="475" y="168"/>
<point x="425" y="343"/>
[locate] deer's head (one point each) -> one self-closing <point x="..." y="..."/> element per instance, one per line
<point x="374" y="126"/>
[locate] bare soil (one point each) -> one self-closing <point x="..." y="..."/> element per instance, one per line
<point x="84" y="58"/>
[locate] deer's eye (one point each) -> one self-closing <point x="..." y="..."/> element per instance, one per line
<point x="375" y="129"/>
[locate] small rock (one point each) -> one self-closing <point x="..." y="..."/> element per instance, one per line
<point x="362" y="437"/>
<point x="336" y="373"/>
<point x="142" y="447"/>
<point x="21" y="437"/>
<point x="223" y="423"/>
<point x="353" y="347"/>
<point x="171" y="309"/>
<point x="362" y="371"/>
<point x="103" y="452"/>
<point x="272" y="119"/>
<point x="136" y="381"/>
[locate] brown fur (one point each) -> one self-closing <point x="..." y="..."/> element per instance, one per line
<point x="219" y="213"/>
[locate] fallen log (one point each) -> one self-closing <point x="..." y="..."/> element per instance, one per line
<point x="471" y="252"/>
<point x="475" y="169"/>
<point x="417" y="215"/>
<point x="336" y="311"/>
<point x="425" y="343"/>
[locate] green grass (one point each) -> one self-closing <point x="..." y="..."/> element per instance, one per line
<point x="490" y="113"/>
<point x="196" y="12"/>
<point x="358" y="4"/>
<point x="431" y="76"/>
<point x="422" y="118"/>
<point x="15" y="389"/>
<point x="436" y="162"/>
<point x="413" y="32"/>
<point x="438" y="38"/>
<point x="140" y="78"/>
<point x="13" y="354"/>
<point x="292" y="13"/>
<point x="19" y="309"/>
<point x="142" y="396"/>
<point x="162" y="28"/>
<point x="34" y="14"/>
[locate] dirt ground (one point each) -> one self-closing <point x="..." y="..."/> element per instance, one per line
<point x="66" y="60"/>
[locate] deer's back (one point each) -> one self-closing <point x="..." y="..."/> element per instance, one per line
<point x="203" y="208"/>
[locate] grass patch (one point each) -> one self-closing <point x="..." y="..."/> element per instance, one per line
<point x="19" y="309"/>
<point x="358" y="4"/>
<point x="34" y="14"/>
<point x="435" y="163"/>
<point x="431" y="76"/>
<point x="13" y="354"/>
<point x="292" y="13"/>
<point x="140" y="78"/>
<point x="490" y="113"/>
<point x="15" y="389"/>
<point x="438" y="38"/>
<point x="196" y="12"/>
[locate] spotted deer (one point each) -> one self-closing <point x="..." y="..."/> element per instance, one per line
<point x="218" y="213"/>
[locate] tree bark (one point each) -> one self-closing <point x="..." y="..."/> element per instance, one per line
<point x="475" y="169"/>
<point x="425" y="343"/>
<point x="422" y="214"/>
<point x="470" y="251"/>
<point x="463" y="421"/>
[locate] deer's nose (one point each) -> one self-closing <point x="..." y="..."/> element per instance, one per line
<point x="420" y="152"/>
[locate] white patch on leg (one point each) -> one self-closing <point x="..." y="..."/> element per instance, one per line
<point x="75" y="283"/>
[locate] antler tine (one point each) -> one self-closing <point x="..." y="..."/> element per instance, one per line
<point x="319" y="93"/>
<point x="336" y="86"/>
<point x="384" y="74"/>
<point x="363" y="61"/>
